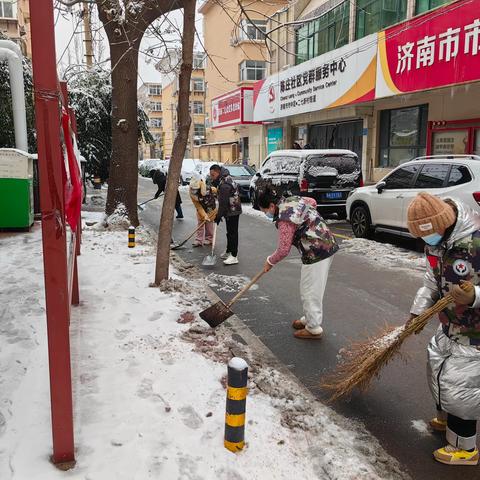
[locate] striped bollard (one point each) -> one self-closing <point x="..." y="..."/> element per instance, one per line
<point x="131" y="237"/>
<point x="236" y="404"/>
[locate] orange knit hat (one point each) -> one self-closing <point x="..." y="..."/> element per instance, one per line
<point x="428" y="214"/>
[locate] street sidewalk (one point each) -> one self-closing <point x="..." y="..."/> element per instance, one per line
<point x="149" y="380"/>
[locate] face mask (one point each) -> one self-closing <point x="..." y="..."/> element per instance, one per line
<point x="269" y="215"/>
<point x="433" y="239"/>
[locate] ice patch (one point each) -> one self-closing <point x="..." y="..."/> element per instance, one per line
<point x="420" y="426"/>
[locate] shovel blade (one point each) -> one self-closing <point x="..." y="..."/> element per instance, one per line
<point x="178" y="246"/>
<point x="209" y="261"/>
<point x="216" y="314"/>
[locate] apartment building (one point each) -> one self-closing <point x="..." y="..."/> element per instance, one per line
<point x="15" y="23"/>
<point x="388" y="79"/>
<point x="150" y="97"/>
<point x="169" y="68"/>
<point x="238" y="57"/>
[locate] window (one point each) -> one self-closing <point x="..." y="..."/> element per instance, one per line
<point x="156" y="123"/>
<point x="155" y="106"/>
<point x="6" y="9"/>
<point x="199" y="130"/>
<point x="320" y="36"/>
<point x="198" y="84"/>
<point x="375" y="15"/>
<point x="252" y="70"/>
<point x="254" y="30"/>
<point x="154" y="90"/>
<point x="197" y="108"/>
<point x="458" y="176"/>
<point x="198" y="61"/>
<point x="426" y="5"/>
<point x="402" y="178"/>
<point x="433" y="175"/>
<point x="403" y="135"/>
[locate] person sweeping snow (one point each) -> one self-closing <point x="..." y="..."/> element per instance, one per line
<point x="451" y="231"/>
<point x="203" y="197"/>
<point x="299" y="224"/>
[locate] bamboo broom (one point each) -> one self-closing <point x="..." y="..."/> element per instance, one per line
<point x="363" y="361"/>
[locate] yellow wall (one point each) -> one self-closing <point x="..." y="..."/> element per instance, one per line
<point x="219" y="30"/>
<point x="18" y="29"/>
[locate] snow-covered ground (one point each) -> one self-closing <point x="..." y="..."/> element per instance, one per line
<point x="149" y="380"/>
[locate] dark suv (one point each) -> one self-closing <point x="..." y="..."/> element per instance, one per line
<point x="328" y="176"/>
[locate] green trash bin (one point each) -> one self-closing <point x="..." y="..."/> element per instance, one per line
<point x="16" y="189"/>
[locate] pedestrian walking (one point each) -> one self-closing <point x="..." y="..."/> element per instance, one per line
<point x="159" y="178"/>
<point x="230" y="208"/>
<point x="203" y="197"/>
<point x="451" y="231"/>
<point x="299" y="224"/>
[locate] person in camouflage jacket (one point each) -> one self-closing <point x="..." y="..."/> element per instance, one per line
<point x="299" y="224"/>
<point x="451" y="231"/>
<point x="202" y="195"/>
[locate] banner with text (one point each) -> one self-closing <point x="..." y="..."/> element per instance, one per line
<point x="434" y="50"/>
<point x="341" y="77"/>
<point x="233" y="108"/>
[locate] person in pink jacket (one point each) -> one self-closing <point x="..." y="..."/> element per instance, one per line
<point x="299" y="224"/>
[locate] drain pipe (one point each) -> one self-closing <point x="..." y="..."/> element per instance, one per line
<point x="11" y="52"/>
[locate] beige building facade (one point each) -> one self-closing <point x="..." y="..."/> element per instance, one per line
<point x="150" y="97"/>
<point x="238" y="57"/>
<point x="15" y="23"/>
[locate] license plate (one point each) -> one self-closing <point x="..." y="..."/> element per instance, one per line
<point x="333" y="195"/>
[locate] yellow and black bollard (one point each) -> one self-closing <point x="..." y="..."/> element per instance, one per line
<point x="236" y="404"/>
<point x="131" y="237"/>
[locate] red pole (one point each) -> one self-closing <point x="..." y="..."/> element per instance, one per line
<point x="50" y="161"/>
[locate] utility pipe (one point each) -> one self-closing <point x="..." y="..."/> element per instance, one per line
<point x="11" y="52"/>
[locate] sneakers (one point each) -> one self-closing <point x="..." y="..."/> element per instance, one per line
<point x="207" y="242"/>
<point x="224" y="255"/>
<point x="298" y="324"/>
<point x="438" y="424"/>
<point x="305" y="334"/>
<point x="231" y="260"/>
<point x="451" y="455"/>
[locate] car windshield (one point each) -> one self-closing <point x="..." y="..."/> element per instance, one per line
<point x="239" y="170"/>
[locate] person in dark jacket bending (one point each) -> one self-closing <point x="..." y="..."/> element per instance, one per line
<point x="160" y="179"/>
<point x="230" y="207"/>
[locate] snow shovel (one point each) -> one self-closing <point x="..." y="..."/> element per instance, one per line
<point x="181" y="244"/>
<point x="140" y="205"/>
<point x="219" y="312"/>
<point x="211" y="259"/>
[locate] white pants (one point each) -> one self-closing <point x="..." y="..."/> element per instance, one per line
<point x="313" y="281"/>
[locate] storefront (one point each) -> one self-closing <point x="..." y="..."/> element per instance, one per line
<point x="454" y="137"/>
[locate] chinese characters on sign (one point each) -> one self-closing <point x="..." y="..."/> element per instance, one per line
<point x="442" y="47"/>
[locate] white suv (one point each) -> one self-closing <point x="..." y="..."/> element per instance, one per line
<point x="383" y="207"/>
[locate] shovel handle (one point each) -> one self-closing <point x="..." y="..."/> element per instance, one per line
<point x="245" y="288"/>
<point x="214" y="239"/>
<point x="198" y="227"/>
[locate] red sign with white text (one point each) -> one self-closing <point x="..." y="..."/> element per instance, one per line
<point x="434" y="50"/>
<point x="233" y="108"/>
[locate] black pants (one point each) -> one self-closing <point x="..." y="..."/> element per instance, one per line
<point x="232" y="234"/>
<point x="463" y="428"/>
<point x="178" y="206"/>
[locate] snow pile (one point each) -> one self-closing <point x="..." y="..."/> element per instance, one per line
<point x="119" y="218"/>
<point x="384" y="254"/>
<point x="149" y="376"/>
<point x="228" y="283"/>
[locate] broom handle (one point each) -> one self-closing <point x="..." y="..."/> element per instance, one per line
<point x="245" y="288"/>
<point x="195" y="231"/>
<point x="214" y="239"/>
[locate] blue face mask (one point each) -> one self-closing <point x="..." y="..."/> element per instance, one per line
<point x="269" y="215"/>
<point x="433" y="239"/>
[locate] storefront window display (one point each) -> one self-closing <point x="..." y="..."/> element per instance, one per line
<point x="403" y="135"/>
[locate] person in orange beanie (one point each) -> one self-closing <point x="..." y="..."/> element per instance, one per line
<point x="451" y="231"/>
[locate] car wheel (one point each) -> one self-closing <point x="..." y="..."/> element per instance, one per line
<point x="361" y="222"/>
<point x="253" y="199"/>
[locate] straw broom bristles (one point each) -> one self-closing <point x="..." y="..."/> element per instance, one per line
<point x="363" y="361"/>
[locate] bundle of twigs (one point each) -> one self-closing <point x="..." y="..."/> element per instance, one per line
<point x="363" y="361"/>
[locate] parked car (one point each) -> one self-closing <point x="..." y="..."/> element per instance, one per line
<point x="188" y="167"/>
<point x="328" y="176"/>
<point x="383" y="207"/>
<point x="242" y="174"/>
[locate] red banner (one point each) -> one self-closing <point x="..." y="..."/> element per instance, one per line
<point x="434" y="50"/>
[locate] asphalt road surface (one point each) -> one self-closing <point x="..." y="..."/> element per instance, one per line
<point x="359" y="299"/>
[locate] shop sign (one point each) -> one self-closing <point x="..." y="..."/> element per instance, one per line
<point x="450" y="142"/>
<point x="233" y="108"/>
<point x="433" y="50"/>
<point x="343" y="76"/>
<point x="274" y="139"/>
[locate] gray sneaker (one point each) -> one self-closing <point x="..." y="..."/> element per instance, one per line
<point x="224" y="255"/>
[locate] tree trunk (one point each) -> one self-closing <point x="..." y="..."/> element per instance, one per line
<point x="123" y="177"/>
<point x="179" y="145"/>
